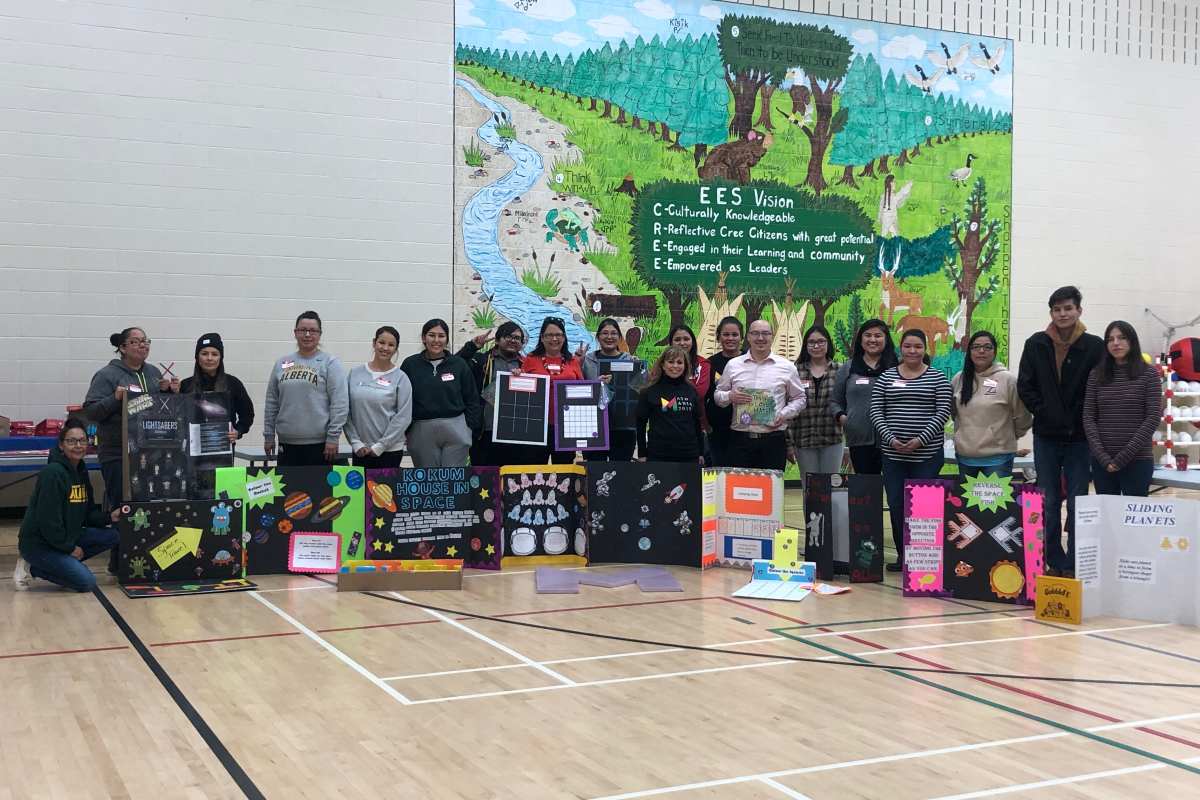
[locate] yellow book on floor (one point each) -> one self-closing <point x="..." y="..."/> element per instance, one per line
<point x="1059" y="600"/>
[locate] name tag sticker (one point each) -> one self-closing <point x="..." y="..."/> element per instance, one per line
<point x="862" y="381"/>
<point x="989" y="382"/>
<point x="449" y="376"/>
<point x="383" y="381"/>
<point x="900" y="384"/>
<point x="287" y="364"/>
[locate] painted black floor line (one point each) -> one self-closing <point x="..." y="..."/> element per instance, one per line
<point x="210" y="738"/>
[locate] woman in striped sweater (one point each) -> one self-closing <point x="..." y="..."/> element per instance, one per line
<point x="910" y="404"/>
<point x="1121" y="410"/>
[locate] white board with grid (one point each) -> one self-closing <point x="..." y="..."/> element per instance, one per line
<point x="582" y="417"/>
<point x="521" y="413"/>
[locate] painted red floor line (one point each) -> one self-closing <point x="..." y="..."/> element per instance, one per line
<point x="768" y="612"/>
<point x="1028" y="693"/>
<point x="66" y="652"/>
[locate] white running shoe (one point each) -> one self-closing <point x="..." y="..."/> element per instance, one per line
<point x="21" y="576"/>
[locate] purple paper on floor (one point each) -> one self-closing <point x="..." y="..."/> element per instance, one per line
<point x="550" y="580"/>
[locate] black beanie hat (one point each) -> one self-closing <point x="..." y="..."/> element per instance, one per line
<point x="211" y="340"/>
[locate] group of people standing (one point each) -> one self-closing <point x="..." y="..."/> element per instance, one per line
<point x="1093" y="405"/>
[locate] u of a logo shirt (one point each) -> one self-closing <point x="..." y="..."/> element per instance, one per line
<point x="78" y="494"/>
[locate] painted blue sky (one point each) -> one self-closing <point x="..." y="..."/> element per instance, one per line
<point x="572" y="26"/>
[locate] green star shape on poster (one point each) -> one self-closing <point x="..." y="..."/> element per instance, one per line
<point x="987" y="492"/>
<point x="264" y="499"/>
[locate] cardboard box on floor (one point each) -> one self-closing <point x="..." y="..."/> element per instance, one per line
<point x="399" y="576"/>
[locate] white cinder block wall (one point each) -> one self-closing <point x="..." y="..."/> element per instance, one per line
<point x="223" y="165"/>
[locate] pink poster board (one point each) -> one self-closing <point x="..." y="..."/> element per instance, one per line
<point x="923" y="534"/>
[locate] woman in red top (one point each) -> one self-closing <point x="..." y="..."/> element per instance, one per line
<point x="552" y="357"/>
<point x="701" y="377"/>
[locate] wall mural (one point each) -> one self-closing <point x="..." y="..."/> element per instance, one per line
<point x="667" y="161"/>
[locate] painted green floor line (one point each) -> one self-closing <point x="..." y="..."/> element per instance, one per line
<point x="1001" y="707"/>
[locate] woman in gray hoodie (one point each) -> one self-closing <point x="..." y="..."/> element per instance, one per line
<point x="306" y="400"/>
<point x="127" y="375"/>
<point x="871" y="354"/>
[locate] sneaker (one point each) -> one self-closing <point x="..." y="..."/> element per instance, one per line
<point x="894" y="566"/>
<point x="21" y="576"/>
<point x="1053" y="572"/>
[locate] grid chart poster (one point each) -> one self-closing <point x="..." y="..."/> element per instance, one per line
<point x="974" y="538"/>
<point x="1139" y="557"/>
<point x="581" y="414"/>
<point x="748" y="507"/>
<point x="543" y="515"/>
<point x="180" y="540"/>
<point x="284" y="500"/>
<point x="646" y="513"/>
<point x="436" y="513"/>
<point x="624" y="378"/>
<point x="521" y="414"/>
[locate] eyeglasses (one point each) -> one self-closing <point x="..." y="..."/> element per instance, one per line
<point x="818" y="343"/>
<point x="75" y="442"/>
<point x="137" y="342"/>
<point x="514" y="337"/>
<point x="297" y="331"/>
<point x="982" y="348"/>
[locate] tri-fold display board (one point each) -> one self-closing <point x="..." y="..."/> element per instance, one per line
<point x="172" y="444"/>
<point x="975" y="538"/>
<point x="843" y="525"/>
<point x="647" y="513"/>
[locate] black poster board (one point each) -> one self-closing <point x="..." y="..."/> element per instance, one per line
<point x="626" y="376"/>
<point x="209" y="448"/>
<point x="156" y="465"/>
<point x="451" y="512"/>
<point x="180" y="540"/>
<point x="645" y="513"/>
<point x="543" y="513"/>
<point x="582" y="419"/>
<point x="818" y="523"/>
<point x="521" y="414"/>
<point x="865" y="506"/>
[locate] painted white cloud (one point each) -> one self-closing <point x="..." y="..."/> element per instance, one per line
<point x="1002" y="85"/>
<point x="613" y="27"/>
<point x="905" y="47"/>
<point x="865" y="36"/>
<point x="464" y="14"/>
<point x="655" y="9"/>
<point x="569" y="38"/>
<point x="711" y="12"/>
<point x="514" y="35"/>
<point x="947" y="84"/>
<point x="550" y="10"/>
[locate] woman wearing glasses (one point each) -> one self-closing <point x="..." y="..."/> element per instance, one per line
<point x="130" y="374"/>
<point x="552" y="357"/>
<point x="503" y="356"/>
<point x="815" y="437"/>
<point x="63" y="527"/>
<point x="307" y="401"/>
<point x="445" y="407"/>
<point x="989" y="416"/>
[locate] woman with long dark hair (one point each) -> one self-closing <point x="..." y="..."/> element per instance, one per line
<point x="871" y="355"/>
<point x="989" y="416"/>
<point x="445" y="401"/>
<point x="503" y="356"/>
<point x="380" y="405"/>
<point x="910" y="404"/>
<point x="1121" y="410"/>
<point x="613" y="356"/>
<point x="209" y="375"/>
<point x="731" y="339"/>
<point x="816" y="439"/>
<point x="306" y="401"/>
<point x="700" y="371"/>
<point x="552" y="356"/>
<point x="670" y="407"/>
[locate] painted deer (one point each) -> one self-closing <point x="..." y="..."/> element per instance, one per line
<point x="891" y="297"/>
<point x="934" y="328"/>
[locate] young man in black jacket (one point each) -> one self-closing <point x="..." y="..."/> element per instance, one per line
<point x="1052" y="380"/>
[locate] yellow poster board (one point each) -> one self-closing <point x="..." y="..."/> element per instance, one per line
<point x="1059" y="600"/>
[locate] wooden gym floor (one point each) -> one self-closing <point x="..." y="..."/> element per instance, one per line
<point x="296" y="691"/>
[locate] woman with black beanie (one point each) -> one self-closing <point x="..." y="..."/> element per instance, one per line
<point x="209" y="375"/>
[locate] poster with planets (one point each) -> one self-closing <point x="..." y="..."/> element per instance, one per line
<point x="646" y="513"/>
<point x="281" y="500"/>
<point x="973" y="538"/>
<point x="543" y="515"/>
<point x="180" y="540"/>
<point x="442" y="513"/>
